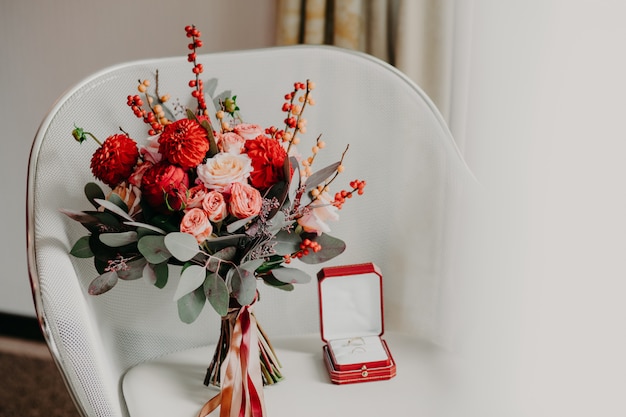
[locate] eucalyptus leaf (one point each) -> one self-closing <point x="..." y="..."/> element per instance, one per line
<point x="320" y="176"/>
<point x="80" y="216"/>
<point x="182" y="246"/>
<point x="286" y="243"/>
<point x="93" y="191"/>
<point x="190" y="279"/>
<point x="153" y="248"/>
<point x="133" y="270"/>
<point x="269" y="279"/>
<point x="103" y="283"/>
<point x="190" y="305"/>
<point x="291" y="275"/>
<point x="294" y="184"/>
<point x="146" y="226"/>
<point x="81" y="248"/>
<point x="156" y="274"/>
<point x="218" y="243"/>
<point x="226" y="254"/>
<point x="216" y="292"/>
<point x="117" y="200"/>
<point x="243" y="284"/>
<point x="234" y="226"/>
<point x="108" y="205"/>
<point x="331" y="247"/>
<point x="115" y="240"/>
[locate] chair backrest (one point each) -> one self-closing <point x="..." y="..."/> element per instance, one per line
<point x="398" y="142"/>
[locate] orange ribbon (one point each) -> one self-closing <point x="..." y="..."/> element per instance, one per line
<point x="241" y="393"/>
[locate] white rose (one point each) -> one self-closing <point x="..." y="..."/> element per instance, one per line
<point x="322" y="211"/>
<point x="224" y="169"/>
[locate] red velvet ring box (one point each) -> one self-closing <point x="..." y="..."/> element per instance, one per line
<point x="351" y="318"/>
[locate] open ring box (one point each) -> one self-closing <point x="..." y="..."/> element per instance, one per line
<point x="351" y="320"/>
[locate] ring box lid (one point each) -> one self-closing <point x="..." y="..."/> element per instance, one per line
<point x="351" y="301"/>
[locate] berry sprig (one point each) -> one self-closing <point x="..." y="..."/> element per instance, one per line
<point x="306" y="246"/>
<point x="341" y="196"/>
<point x="155" y="116"/>
<point x="308" y="162"/>
<point x="294" y="122"/>
<point x="197" y="84"/>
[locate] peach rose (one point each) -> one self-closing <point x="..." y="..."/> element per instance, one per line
<point x="245" y="201"/>
<point x="196" y="223"/>
<point x="248" y="131"/>
<point x="314" y="220"/>
<point x="130" y="195"/>
<point x="230" y="142"/>
<point x="195" y="196"/>
<point x="219" y="172"/>
<point x="215" y="206"/>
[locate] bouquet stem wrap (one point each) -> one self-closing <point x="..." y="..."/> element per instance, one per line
<point x="243" y="370"/>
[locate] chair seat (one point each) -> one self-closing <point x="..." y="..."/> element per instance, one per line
<point x="172" y="385"/>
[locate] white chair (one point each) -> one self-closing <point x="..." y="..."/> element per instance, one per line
<point x="125" y="353"/>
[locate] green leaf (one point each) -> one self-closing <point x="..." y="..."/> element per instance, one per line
<point x="93" y="192"/>
<point x="116" y="240"/>
<point x="103" y="283"/>
<point x="190" y="279"/>
<point x="134" y="270"/>
<point x="190" y="305"/>
<point x="243" y="284"/>
<point x="108" y="205"/>
<point x="216" y="292"/>
<point x="182" y="246"/>
<point x="320" y="176"/>
<point x="81" y="248"/>
<point x="291" y="275"/>
<point x="153" y="248"/>
<point x="331" y="247"/>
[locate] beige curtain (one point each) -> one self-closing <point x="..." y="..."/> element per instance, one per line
<point x="413" y="35"/>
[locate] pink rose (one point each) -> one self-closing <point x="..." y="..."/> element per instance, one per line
<point x="230" y="142"/>
<point x="150" y="152"/>
<point x="215" y="206"/>
<point x="248" y="131"/>
<point x="314" y="220"/>
<point x="219" y="172"/>
<point x="245" y="200"/>
<point x="196" y="223"/>
<point x="137" y="175"/>
<point x="195" y="196"/>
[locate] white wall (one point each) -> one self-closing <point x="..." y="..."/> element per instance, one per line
<point x="47" y="46"/>
<point x="540" y="107"/>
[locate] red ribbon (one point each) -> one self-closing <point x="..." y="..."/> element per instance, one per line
<point x="241" y="393"/>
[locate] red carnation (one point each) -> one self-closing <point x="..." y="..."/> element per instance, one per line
<point x="164" y="186"/>
<point x="115" y="160"/>
<point x="268" y="158"/>
<point x="184" y="143"/>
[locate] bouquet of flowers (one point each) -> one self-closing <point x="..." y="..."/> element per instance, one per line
<point x="228" y="201"/>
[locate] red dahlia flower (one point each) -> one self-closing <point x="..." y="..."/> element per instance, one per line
<point x="184" y="143"/>
<point x="115" y="160"/>
<point x="268" y="158"/>
<point x="164" y="187"/>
